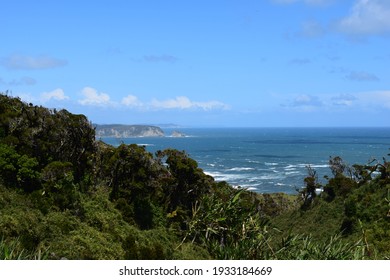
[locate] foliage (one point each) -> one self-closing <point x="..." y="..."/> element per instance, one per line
<point x="308" y="193"/>
<point x="12" y="250"/>
<point x="18" y="170"/>
<point x="298" y="247"/>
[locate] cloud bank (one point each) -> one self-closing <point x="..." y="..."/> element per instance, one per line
<point x="183" y="103"/>
<point x="94" y="98"/>
<point x="358" y="102"/>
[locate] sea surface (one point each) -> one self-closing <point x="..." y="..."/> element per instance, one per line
<point x="268" y="160"/>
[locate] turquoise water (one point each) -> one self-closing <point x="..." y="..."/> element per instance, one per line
<point x="271" y="159"/>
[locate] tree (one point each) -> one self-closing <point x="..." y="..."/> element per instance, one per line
<point x="18" y="170"/>
<point x="311" y="184"/>
<point x="188" y="182"/>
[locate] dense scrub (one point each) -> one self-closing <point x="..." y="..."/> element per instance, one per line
<point x="65" y="195"/>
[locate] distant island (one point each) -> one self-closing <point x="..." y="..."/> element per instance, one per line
<point x="126" y="131"/>
<point x="178" y="134"/>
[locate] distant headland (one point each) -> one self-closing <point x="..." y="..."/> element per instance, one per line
<point x="129" y="131"/>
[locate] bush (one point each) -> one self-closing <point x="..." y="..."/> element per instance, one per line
<point x="85" y="243"/>
<point x="156" y="244"/>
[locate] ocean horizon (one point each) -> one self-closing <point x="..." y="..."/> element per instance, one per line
<point x="269" y="160"/>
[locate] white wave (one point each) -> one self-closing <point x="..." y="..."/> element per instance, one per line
<point x="291" y="167"/>
<point x="304" y="165"/>
<point x="251" y="161"/>
<point x="292" y="172"/>
<point x="273" y="176"/>
<point x="224" y="177"/>
<point x="320" y="165"/>
<point x="271" y="163"/>
<point x="241" y="169"/>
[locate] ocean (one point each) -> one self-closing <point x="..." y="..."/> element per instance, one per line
<point x="269" y="160"/>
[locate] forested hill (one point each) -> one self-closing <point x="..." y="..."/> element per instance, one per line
<point x="64" y="194"/>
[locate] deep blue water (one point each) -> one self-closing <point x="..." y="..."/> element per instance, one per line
<point x="271" y="159"/>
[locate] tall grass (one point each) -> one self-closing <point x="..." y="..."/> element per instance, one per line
<point x="11" y="250"/>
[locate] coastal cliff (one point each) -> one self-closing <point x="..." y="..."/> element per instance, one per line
<point x="125" y="131"/>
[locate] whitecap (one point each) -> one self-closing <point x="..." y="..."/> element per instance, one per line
<point x="251" y="161"/>
<point x="291" y="167"/>
<point x="319" y="165"/>
<point x="305" y="165"/>
<point x="241" y="169"/>
<point x="292" y="172"/>
<point x="218" y="176"/>
<point x="268" y="177"/>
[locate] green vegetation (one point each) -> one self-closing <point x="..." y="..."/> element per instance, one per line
<point x="64" y="194"/>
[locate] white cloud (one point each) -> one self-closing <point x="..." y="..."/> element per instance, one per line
<point x="307" y="101"/>
<point x="131" y="101"/>
<point x="183" y="102"/>
<point x="57" y="94"/>
<point x="23" y="62"/>
<point x="367" y="17"/>
<point x="93" y="97"/>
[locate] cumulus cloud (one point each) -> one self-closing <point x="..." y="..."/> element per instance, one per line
<point x="307" y="101"/>
<point x="367" y="17"/>
<point x="57" y="94"/>
<point x="183" y="102"/>
<point x="23" y="62"/>
<point x="44" y="97"/>
<point x="362" y="77"/>
<point x="93" y="97"/>
<point x="131" y="101"/>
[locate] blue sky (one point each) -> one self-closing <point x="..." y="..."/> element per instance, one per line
<point x="199" y="63"/>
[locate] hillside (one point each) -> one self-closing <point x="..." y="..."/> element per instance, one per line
<point x="128" y="131"/>
<point x="64" y="194"/>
